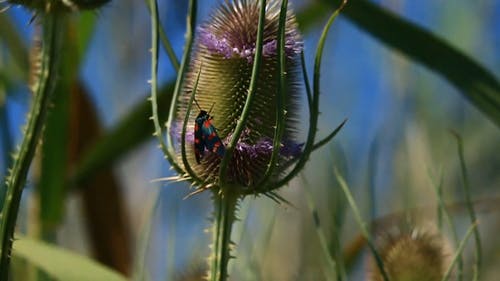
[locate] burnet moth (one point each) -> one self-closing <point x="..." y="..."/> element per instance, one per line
<point x="205" y="135"/>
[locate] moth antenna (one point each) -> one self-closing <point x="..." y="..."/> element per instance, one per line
<point x="212" y="107"/>
<point x="196" y="102"/>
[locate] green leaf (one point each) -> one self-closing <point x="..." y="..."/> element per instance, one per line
<point x="475" y="82"/>
<point x="132" y="130"/>
<point x="62" y="264"/>
<point x="55" y="148"/>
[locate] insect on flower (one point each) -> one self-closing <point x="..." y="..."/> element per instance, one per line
<point x="205" y="135"/>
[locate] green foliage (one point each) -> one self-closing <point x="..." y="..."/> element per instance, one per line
<point x="62" y="264"/>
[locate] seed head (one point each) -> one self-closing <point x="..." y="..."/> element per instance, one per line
<point x="411" y="254"/>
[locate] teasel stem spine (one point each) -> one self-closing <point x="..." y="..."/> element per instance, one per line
<point x="43" y="89"/>
<point x="251" y="92"/>
<point x="225" y="207"/>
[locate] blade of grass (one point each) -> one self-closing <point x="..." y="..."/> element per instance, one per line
<point x="438" y="189"/>
<point x="51" y="185"/>
<point x="332" y="270"/>
<point x="361" y="224"/>
<point x="470" y="207"/>
<point x="473" y="80"/>
<point x="62" y="264"/>
<point x="139" y="272"/>
<point x="460" y="249"/>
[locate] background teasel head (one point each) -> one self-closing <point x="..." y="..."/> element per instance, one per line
<point x="222" y="59"/>
<point x="410" y="253"/>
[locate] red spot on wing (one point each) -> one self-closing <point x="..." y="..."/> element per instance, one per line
<point x="216" y="146"/>
<point x="207" y="124"/>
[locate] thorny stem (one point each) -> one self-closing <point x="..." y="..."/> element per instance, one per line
<point x="225" y="207"/>
<point x="51" y="25"/>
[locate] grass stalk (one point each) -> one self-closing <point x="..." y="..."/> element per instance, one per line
<point x="470" y="207"/>
<point x="361" y="224"/>
<point x="460" y="249"/>
<point x="443" y="212"/>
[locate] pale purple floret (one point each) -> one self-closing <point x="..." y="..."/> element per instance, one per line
<point x="215" y="45"/>
<point x="221" y="46"/>
<point x="264" y="148"/>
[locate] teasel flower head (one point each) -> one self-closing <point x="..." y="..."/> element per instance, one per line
<point x="217" y="83"/>
<point x="411" y="254"/>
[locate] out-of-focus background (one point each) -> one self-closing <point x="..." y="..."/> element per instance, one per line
<point x="395" y="148"/>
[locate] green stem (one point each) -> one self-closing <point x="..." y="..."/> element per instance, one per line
<point x="362" y="224"/>
<point x="332" y="269"/>
<point x="281" y="97"/>
<point x="470" y="208"/>
<point x="225" y="204"/>
<point x="445" y="216"/>
<point x="35" y="123"/>
<point x="460" y="249"/>
<point x="6" y="142"/>
<point x="164" y="38"/>
<point x="190" y="30"/>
